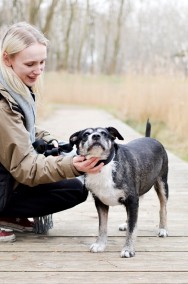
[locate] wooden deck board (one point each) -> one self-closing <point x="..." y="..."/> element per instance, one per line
<point x="82" y="244"/>
<point x="86" y="261"/>
<point x="94" y="277"/>
<point x="63" y="255"/>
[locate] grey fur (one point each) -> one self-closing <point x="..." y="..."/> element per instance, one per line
<point x="135" y="168"/>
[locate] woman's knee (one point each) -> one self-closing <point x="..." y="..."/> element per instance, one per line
<point x="82" y="189"/>
<point x="85" y="193"/>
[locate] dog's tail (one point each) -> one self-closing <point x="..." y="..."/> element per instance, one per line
<point x="148" y="129"/>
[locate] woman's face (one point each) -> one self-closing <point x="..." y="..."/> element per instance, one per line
<point x="29" y="63"/>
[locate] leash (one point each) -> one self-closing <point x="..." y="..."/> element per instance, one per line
<point x="47" y="149"/>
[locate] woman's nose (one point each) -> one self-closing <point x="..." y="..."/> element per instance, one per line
<point x="38" y="70"/>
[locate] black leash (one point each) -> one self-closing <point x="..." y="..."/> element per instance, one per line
<point x="47" y="149"/>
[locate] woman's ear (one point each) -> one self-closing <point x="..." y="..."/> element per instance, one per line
<point x="6" y="59"/>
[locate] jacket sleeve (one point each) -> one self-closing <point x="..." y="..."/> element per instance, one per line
<point x="43" y="134"/>
<point x="18" y="156"/>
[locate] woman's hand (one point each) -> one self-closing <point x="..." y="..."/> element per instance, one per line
<point x="87" y="166"/>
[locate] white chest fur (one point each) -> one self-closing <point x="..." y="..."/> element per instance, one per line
<point x="102" y="185"/>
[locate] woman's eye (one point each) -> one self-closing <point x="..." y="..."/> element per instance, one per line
<point x="29" y="64"/>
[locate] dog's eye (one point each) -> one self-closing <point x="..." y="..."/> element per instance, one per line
<point x="104" y="134"/>
<point x="86" y="134"/>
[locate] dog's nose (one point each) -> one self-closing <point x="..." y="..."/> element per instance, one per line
<point x="96" y="136"/>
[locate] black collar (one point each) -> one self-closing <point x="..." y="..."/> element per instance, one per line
<point x="109" y="159"/>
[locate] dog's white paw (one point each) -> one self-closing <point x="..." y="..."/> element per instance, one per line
<point x="163" y="233"/>
<point x="97" y="247"/>
<point x="126" y="252"/>
<point x="123" y="227"/>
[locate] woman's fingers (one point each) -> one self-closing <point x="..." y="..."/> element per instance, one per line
<point x="55" y="143"/>
<point x="87" y="166"/>
<point x="96" y="169"/>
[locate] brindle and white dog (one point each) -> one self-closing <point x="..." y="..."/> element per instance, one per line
<point x="130" y="171"/>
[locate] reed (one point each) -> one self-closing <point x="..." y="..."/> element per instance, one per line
<point x="132" y="98"/>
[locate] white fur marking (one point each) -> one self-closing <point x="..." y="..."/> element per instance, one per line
<point x="97" y="247"/>
<point x="163" y="233"/>
<point x="123" y="227"/>
<point x="102" y="185"/>
<point x="96" y="151"/>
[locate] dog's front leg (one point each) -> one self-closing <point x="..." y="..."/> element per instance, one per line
<point x="132" y="216"/>
<point x="101" y="241"/>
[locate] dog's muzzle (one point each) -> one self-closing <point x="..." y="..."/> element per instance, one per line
<point x="96" y="144"/>
<point x="95" y="140"/>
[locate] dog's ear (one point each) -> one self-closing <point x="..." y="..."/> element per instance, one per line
<point x="115" y="133"/>
<point x="74" y="138"/>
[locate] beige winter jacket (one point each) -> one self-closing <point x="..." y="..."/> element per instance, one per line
<point x="17" y="154"/>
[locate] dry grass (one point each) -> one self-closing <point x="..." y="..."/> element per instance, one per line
<point x="132" y="98"/>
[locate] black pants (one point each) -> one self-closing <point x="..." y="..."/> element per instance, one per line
<point x="45" y="199"/>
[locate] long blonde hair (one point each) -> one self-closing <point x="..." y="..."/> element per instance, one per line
<point x="18" y="37"/>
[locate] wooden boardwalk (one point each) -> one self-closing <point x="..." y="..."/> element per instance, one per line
<point x="63" y="256"/>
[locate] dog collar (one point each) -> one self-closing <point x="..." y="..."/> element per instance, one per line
<point x="109" y="159"/>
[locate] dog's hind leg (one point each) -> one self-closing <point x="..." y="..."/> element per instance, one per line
<point x="161" y="187"/>
<point x="101" y="241"/>
<point x="132" y="205"/>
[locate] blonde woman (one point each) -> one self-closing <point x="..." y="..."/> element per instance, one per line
<point x="31" y="184"/>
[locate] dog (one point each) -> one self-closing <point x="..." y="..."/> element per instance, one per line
<point x="130" y="170"/>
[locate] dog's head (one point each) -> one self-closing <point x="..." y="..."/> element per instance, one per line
<point x="95" y="142"/>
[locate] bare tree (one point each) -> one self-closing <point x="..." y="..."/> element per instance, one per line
<point x="49" y="17"/>
<point x="34" y="11"/>
<point x="112" y="67"/>
<point x="108" y="36"/>
<point x="91" y="39"/>
<point x="83" y="37"/>
<point x="67" y="35"/>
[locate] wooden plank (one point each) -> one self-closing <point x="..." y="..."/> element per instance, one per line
<point x="82" y="244"/>
<point x="86" y="261"/>
<point x="94" y="277"/>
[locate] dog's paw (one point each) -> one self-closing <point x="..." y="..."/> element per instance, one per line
<point x="127" y="253"/>
<point x="97" y="247"/>
<point x="163" y="233"/>
<point x="123" y="227"/>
